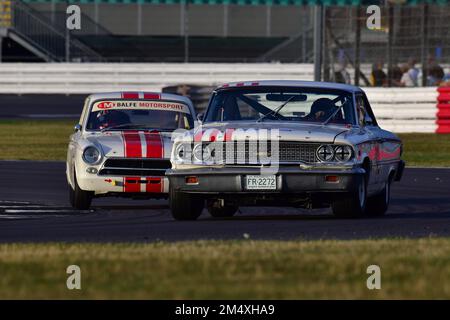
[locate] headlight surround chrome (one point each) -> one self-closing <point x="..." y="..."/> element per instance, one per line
<point x="202" y="153"/>
<point x="183" y="152"/>
<point x="197" y="152"/>
<point x="335" y="153"/>
<point x="325" y="153"/>
<point x="343" y="153"/>
<point x="92" y="155"/>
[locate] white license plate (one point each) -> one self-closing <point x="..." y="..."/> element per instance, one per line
<point x="266" y="182"/>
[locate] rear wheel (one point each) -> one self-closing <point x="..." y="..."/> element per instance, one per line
<point x="352" y="205"/>
<point x="185" y="206"/>
<point x="227" y="210"/>
<point x="378" y="204"/>
<point x="79" y="199"/>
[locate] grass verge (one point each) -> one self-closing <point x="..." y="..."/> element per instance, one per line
<point x="47" y="140"/>
<point x="35" y="139"/>
<point x="410" y="269"/>
<point x="426" y="149"/>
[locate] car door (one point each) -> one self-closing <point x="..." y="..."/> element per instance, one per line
<point x="369" y="126"/>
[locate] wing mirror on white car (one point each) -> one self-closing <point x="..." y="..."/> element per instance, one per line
<point x="77" y="127"/>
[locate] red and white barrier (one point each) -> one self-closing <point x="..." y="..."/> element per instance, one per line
<point x="396" y="109"/>
<point x="443" y="114"/>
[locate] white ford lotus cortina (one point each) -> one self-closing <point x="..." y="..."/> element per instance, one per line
<point x="122" y="145"/>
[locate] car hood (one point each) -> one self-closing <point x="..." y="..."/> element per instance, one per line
<point x="285" y="131"/>
<point x="132" y="144"/>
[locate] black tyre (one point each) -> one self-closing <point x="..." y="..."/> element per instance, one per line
<point x="79" y="199"/>
<point x="185" y="206"/>
<point x="221" y="212"/>
<point x="352" y="205"/>
<point x="378" y="204"/>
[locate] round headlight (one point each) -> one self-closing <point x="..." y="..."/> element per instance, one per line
<point x="343" y="153"/>
<point x="325" y="153"/>
<point x="183" y="152"/>
<point x="198" y="152"/>
<point x="208" y="153"/>
<point x="91" y="155"/>
<point x="203" y="153"/>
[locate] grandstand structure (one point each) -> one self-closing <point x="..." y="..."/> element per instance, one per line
<point x="222" y="30"/>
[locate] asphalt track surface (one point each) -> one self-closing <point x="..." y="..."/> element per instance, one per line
<point x="41" y="106"/>
<point x="34" y="208"/>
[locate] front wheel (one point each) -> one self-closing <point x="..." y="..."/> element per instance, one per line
<point x="352" y="205"/>
<point x="185" y="206"/>
<point x="79" y="199"/>
<point x="378" y="204"/>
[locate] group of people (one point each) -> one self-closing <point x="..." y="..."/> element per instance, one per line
<point x="401" y="75"/>
<point x="408" y="74"/>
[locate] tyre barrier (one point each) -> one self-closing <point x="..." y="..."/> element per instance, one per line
<point x="443" y="114"/>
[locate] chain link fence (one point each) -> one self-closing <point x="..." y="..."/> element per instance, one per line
<point x="410" y="39"/>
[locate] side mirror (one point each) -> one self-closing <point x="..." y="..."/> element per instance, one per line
<point x="200" y="117"/>
<point x="77" y="127"/>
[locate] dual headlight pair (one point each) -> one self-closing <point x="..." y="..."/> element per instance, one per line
<point x="92" y="155"/>
<point x="198" y="153"/>
<point x="330" y="153"/>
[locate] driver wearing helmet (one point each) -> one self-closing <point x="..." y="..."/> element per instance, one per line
<point x="321" y="110"/>
<point x="111" y="118"/>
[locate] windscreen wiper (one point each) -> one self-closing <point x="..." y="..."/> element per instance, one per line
<point x="275" y="111"/>
<point x="333" y="115"/>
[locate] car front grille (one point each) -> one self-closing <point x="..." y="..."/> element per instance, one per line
<point x="135" y="167"/>
<point x="251" y="152"/>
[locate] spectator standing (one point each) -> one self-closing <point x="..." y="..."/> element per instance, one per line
<point x="395" y="74"/>
<point x="410" y="75"/>
<point x="342" y="75"/>
<point x="435" y="74"/>
<point x="378" y="77"/>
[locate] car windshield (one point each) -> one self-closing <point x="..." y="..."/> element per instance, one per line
<point x="282" y="104"/>
<point x="139" y="115"/>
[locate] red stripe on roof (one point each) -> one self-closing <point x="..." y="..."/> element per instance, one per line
<point x="130" y="95"/>
<point x="153" y="96"/>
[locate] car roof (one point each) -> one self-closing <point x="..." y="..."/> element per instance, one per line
<point x="145" y="95"/>
<point x="292" y="83"/>
<point x="140" y="95"/>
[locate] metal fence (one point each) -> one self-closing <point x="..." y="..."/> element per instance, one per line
<point x="408" y="35"/>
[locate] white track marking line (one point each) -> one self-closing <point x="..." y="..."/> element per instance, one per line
<point x="23" y="206"/>
<point x="18" y="217"/>
<point x="16" y="202"/>
<point x="38" y="211"/>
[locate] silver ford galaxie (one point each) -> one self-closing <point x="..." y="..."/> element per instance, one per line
<point x="285" y="143"/>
